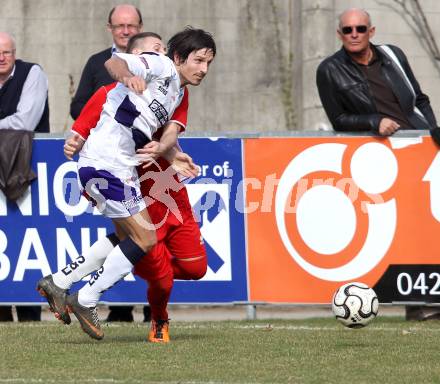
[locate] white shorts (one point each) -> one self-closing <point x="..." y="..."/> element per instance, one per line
<point x="116" y="192"/>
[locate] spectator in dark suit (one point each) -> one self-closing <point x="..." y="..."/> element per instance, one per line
<point x="124" y="21"/>
<point x="23" y="110"/>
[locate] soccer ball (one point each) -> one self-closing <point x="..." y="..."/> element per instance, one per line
<point x="355" y="305"/>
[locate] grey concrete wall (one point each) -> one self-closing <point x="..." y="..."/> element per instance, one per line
<point x="243" y="92"/>
<point x="263" y="78"/>
<point x="318" y="42"/>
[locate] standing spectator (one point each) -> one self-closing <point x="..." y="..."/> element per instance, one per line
<point x="23" y="111"/>
<point x="367" y="87"/>
<point x="124" y="21"/>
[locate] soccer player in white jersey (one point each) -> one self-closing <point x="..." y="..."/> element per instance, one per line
<point x="150" y="89"/>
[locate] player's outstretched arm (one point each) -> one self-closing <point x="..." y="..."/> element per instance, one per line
<point x="169" y="137"/>
<point x="183" y="163"/>
<point x="155" y="149"/>
<point x="118" y="70"/>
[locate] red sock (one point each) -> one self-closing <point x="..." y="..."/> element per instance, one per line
<point x="158" y="294"/>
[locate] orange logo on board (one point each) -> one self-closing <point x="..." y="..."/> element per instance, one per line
<point x="342" y="209"/>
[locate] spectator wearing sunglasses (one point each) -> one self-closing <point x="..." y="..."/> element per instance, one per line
<point x="367" y="87"/>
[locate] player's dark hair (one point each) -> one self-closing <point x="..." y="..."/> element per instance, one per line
<point x="190" y="40"/>
<point x="135" y="40"/>
<point x="113" y="10"/>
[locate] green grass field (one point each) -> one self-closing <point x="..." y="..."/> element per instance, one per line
<point x="390" y="350"/>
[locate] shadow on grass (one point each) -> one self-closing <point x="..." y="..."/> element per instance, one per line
<point x="82" y="338"/>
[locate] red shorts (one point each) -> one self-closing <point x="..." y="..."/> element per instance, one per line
<point x="175" y="239"/>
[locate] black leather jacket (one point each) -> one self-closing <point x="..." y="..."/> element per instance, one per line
<point x="347" y="100"/>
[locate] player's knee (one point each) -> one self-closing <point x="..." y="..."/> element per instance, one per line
<point x="146" y="241"/>
<point x="197" y="275"/>
<point x="200" y="272"/>
<point x="195" y="270"/>
<point x="149" y="243"/>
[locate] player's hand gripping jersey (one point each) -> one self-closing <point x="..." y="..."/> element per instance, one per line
<point x="128" y="120"/>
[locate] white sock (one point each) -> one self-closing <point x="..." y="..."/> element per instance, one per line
<point x="116" y="266"/>
<point x="84" y="264"/>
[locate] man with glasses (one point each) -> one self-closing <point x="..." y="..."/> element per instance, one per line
<point x="367" y="87"/>
<point x="124" y="21"/>
<point x="23" y="91"/>
<point x="23" y="110"/>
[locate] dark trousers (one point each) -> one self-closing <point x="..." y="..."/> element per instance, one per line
<point x="24" y="313"/>
<point x="421" y="312"/>
<point x="124" y="313"/>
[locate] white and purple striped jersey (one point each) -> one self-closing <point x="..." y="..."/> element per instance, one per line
<point x="129" y="120"/>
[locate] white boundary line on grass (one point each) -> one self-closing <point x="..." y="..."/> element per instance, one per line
<point x="271" y="327"/>
<point x="265" y="327"/>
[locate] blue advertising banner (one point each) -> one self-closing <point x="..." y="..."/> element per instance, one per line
<point x="218" y="202"/>
<point x="51" y="225"/>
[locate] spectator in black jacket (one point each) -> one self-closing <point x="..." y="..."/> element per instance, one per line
<point x="23" y="110"/>
<point x="366" y="87"/>
<point x="124" y="21"/>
